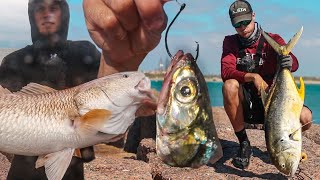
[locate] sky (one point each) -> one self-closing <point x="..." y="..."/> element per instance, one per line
<point x="204" y="21"/>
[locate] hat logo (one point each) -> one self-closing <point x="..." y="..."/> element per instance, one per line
<point x="239" y="10"/>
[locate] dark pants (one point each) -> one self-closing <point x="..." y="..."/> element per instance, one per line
<point x="253" y="110"/>
<point x="23" y="167"/>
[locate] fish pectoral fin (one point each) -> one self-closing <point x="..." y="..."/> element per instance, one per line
<point x="301" y="90"/>
<point x="34" y="88"/>
<point x="92" y="121"/>
<point x="56" y="164"/>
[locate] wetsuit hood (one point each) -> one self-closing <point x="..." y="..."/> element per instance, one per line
<point x="41" y="40"/>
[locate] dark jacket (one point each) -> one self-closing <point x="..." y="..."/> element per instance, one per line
<point x="60" y="65"/>
<point x="72" y="64"/>
<point x="66" y="64"/>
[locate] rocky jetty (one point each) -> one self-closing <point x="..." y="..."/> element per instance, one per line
<point x="114" y="163"/>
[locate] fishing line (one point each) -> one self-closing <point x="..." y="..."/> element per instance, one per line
<point x="290" y="135"/>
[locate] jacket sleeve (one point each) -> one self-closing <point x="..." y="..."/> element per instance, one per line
<point x="10" y="77"/>
<point x="295" y="63"/>
<point x="229" y="61"/>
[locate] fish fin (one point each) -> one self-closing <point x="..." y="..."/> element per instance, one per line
<point x="304" y="157"/>
<point x="91" y="122"/>
<point x="293" y="41"/>
<point x="263" y="95"/>
<point x="286" y="49"/>
<point x="34" y="88"/>
<point x="301" y="90"/>
<point x="56" y="164"/>
<point x="276" y="46"/>
<point x="4" y="90"/>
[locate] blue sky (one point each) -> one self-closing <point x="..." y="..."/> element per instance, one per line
<point x="205" y="21"/>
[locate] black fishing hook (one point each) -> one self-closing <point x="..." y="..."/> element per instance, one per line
<point x="166" y="36"/>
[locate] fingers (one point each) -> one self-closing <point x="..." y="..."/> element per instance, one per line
<point x="126" y="30"/>
<point x="102" y="23"/>
<point x="152" y="14"/>
<point x="125" y="11"/>
<point x="153" y="22"/>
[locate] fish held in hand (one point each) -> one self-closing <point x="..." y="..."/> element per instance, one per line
<point x="283" y="106"/>
<point x="186" y="134"/>
<point x="51" y="124"/>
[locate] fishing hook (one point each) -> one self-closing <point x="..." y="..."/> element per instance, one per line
<point x="166" y="36"/>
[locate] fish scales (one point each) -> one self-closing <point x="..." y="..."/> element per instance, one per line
<point x="186" y="135"/>
<point x="51" y="124"/>
<point x="283" y="106"/>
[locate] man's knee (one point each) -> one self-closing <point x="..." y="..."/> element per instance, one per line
<point x="306" y="118"/>
<point x="230" y="88"/>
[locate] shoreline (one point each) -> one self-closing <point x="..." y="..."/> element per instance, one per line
<point x="217" y="79"/>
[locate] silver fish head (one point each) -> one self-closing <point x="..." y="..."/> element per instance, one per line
<point x="178" y="103"/>
<point x="126" y="88"/>
<point x="186" y="134"/>
<point x="288" y="156"/>
<point x="122" y="94"/>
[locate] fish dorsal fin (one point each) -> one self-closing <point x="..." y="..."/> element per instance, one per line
<point x="56" y="164"/>
<point x="4" y="90"/>
<point x="34" y="88"/>
<point x="91" y="122"/>
<point x="301" y="90"/>
<point x="286" y="49"/>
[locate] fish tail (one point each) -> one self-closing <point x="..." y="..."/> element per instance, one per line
<point x="286" y="49"/>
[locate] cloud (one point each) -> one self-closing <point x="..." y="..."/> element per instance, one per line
<point x="15" y="28"/>
<point x="308" y="43"/>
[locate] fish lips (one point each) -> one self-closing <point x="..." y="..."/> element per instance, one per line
<point x="177" y="61"/>
<point x="121" y="98"/>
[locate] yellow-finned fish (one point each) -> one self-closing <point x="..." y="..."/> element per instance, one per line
<point x="283" y="107"/>
<point x="186" y="135"/>
<point x="51" y="124"/>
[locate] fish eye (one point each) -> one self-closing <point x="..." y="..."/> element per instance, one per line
<point x="125" y="75"/>
<point x="186" y="90"/>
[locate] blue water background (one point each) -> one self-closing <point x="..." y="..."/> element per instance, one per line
<point x="312" y="97"/>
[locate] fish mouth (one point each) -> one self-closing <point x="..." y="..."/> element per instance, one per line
<point x="144" y="88"/>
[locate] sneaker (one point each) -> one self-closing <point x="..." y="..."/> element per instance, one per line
<point x="242" y="160"/>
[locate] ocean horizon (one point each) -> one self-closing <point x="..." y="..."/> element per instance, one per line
<point x="216" y="100"/>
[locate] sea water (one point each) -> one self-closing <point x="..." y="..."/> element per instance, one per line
<point x="312" y="96"/>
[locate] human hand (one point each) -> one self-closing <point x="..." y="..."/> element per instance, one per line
<point x="125" y="30"/>
<point x="285" y="61"/>
<point x="259" y="83"/>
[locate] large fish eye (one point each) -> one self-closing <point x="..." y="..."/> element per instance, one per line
<point x="186" y="90"/>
